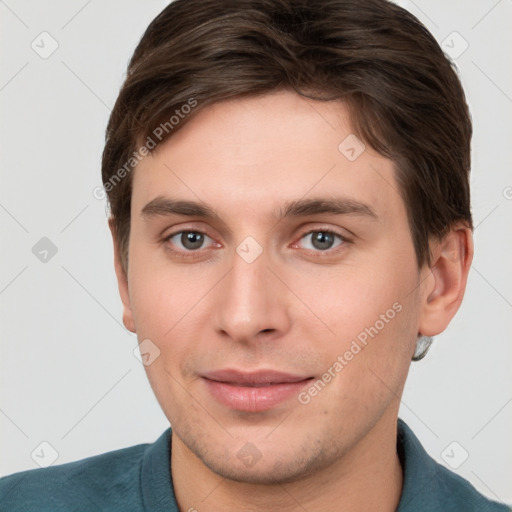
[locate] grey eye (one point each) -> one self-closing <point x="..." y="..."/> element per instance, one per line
<point x="189" y="240"/>
<point x="192" y="240"/>
<point x="323" y="240"/>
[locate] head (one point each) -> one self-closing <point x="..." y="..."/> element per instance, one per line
<point x="288" y="184"/>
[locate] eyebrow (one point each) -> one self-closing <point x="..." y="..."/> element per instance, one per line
<point x="164" y="206"/>
<point x="332" y="206"/>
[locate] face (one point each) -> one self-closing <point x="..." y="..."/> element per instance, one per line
<point x="272" y="266"/>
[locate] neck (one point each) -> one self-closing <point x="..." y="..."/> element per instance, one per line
<point x="366" y="478"/>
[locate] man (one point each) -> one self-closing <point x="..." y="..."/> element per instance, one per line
<point x="291" y="227"/>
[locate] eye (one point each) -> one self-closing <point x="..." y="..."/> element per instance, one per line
<point x="189" y="240"/>
<point x="322" y="240"/>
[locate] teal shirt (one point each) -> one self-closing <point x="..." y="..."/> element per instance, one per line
<point x="138" y="478"/>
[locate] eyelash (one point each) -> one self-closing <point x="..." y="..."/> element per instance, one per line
<point x="190" y="254"/>
<point x="183" y="253"/>
<point x="327" y="252"/>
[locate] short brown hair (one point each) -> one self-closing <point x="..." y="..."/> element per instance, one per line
<point x="404" y="95"/>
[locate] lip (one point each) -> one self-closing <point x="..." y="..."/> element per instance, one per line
<point x="253" y="391"/>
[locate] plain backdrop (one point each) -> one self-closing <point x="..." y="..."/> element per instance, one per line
<point x="69" y="377"/>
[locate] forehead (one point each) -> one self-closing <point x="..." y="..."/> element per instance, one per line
<point x="251" y="155"/>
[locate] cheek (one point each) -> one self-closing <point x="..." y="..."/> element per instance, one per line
<point x="367" y="359"/>
<point x="373" y="318"/>
<point x="166" y="306"/>
<point x="163" y="295"/>
<point x="351" y="300"/>
<point x="171" y="305"/>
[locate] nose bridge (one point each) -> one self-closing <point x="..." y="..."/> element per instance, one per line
<point x="249" y="300"/>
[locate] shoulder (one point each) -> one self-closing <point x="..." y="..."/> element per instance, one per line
<point x="430" y="487"/>
<point x="458" y="494"/>
<point x="110" y="481"/>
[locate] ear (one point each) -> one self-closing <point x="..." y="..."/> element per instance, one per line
<point x="122" y="281"/>
<point x="445" y="281"/>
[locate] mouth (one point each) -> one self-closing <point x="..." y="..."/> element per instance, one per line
<point x="253" y="391"/>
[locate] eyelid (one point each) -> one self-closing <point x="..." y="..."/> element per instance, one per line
<point x="167" y="237"/>
<point x="344" y="239"/>
<point x="343" y="233"/>
<point x="171" y="231"/>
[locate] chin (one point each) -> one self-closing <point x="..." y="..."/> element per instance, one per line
<point x="292" y="467"/>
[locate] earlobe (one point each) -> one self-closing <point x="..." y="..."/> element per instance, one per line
<point x="122" y="281"/>
<point x="445" y="287"/>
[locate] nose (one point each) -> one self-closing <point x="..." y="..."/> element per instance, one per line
<point x="251" y="303"/>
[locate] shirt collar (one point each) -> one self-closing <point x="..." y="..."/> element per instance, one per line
<point x="419" y="470"/>
<point x="156" y="481"/>
<point x="420" y="489"/>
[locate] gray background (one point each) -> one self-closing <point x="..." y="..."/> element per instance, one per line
<point x="68" y="374"/>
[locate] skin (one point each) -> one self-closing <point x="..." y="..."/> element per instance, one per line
<point x="295" y="308"/>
